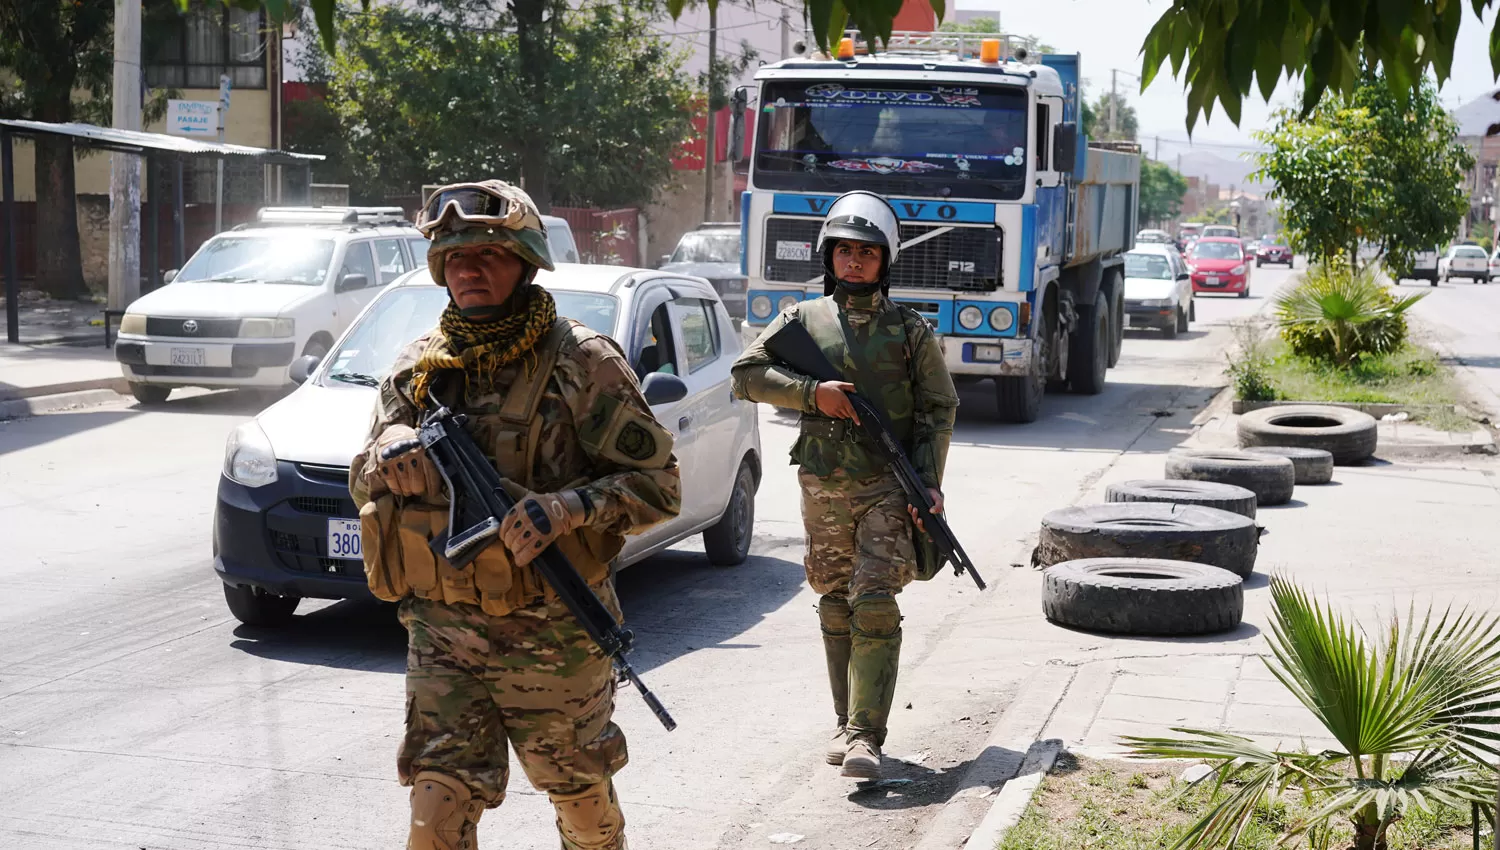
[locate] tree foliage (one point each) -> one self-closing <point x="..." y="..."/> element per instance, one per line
<point x="1372" y="167"/>
<point x="591" y="113"/>
<point x="1162" y="189"/>
<point x="1338" y="314"/>
<point x="1124" y="115"/>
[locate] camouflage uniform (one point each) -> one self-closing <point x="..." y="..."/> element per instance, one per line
<point x="493" y="656"/>
<point x="860" y="550"/>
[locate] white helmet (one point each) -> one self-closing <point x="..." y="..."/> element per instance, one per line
<point x="862" y="217"/>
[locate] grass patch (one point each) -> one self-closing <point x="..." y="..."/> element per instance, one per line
<point x="1111" y="805"/>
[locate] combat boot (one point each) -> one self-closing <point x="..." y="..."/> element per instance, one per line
<point x="833" y="614"/>
<point x="862" y="759"/>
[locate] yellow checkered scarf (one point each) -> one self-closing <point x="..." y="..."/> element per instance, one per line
<point x="480" y="349"/>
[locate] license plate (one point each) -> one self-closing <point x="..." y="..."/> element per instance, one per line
<point x="343" y="539"/>
<point x="793" y="250"/>
<point x="1211" y="281"/>
<point x="187" y="357"/>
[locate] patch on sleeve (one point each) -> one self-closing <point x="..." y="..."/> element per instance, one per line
<point x="618" y="432"/>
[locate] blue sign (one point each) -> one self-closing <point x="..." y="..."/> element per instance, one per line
<point x="942" y="212"/>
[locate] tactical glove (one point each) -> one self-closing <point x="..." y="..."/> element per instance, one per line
<point x="403" y="464"/>
<point x="534" y="522"/>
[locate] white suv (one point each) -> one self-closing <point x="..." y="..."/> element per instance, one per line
<point x="253" y="299"/>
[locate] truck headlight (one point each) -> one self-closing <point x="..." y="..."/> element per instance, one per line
<point x="1237" y="270"/>
<point x="760" y="307"/>
<point x="248" y="456"/>
<point x="1002" y="319"/>
<point x="133" y="323"/>
<point x="785" y="302"/>
<point x="267" y="328"/>
<point x="970" y="318"/>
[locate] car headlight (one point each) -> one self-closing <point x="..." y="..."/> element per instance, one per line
<point x="133" y="323"/>
<point x="267" y="328"/>
<point x="1237" y="270"/>
<point x="1001" y="319"/>
<point x="785" y="302"/>
<point x="1157" y="302"/>
<point x="760" y="307"/>
<point x="970" y="318"/>
<point x="248" y="457"/>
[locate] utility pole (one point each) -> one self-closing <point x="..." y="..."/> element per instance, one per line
<point x="710" y="125"/>
<point x="1158" y="149"/>
<point x="1114" y="99"/>
<point x="786" y="33"/>
<point x="124" y="168"/>
<point x="224" y="83"/>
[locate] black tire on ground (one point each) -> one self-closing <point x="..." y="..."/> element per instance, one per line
<point x="1182" y="320"/>
<point x="149" y="393"/>
<point x="1149" y="530"/>
<point x="727" y="542"/>
<point x="1311" y="466"/>
<point x="1169" y="330"/>
<point x="1245" y="293"/>
<point x="1204" y="494"/>
<point x="1192" y="309"/>
<point x="1019" y="397"/>
<point x="255" y="607"/>
<point x="1349" y="435"/>
<point x="1271" y="479"/>
<point x="1089" y="358"/>
<point x="1142" y="596"/>
<point x="1117" y="321"/>
<point x="1434" y="283"/>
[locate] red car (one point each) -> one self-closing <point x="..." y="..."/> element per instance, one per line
<point x="1218" y="264"/>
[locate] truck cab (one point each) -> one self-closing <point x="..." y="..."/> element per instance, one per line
<point x="1012" y="228"/>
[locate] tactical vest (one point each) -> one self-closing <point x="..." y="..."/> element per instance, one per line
<point x="397" y="533"/>
<point x="875" y="359"/>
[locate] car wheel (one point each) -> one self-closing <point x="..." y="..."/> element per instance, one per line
<point x="1169" y="330"/>
<point x="727" y="542"/>
<point x="1142" y="596"/>
<point x="149" y="393"/>
<point x="255" y="607"/>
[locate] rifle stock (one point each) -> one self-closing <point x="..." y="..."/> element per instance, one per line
<point x="792" y="345"/>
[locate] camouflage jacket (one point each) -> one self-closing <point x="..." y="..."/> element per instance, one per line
<point x="591" y="392"/>
<point x="759" y="377"/>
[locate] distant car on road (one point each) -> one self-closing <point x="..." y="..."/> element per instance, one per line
<point x="1154" y="237"/>
<point x="286" y="528"/>
<point x="1158" y="292"/>
<point x="1221" y="231"/>
<point x="1468" y="261"/>
<point x="1274" y="251"/>
<point x="1218" y="264"/>
<point x="712" y="252"/>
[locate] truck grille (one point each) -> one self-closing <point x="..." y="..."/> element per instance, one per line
<point x="964" y="258"/>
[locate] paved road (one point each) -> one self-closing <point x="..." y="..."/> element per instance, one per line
<point x="135" y="713"/>
<point x="1466" y="320"/>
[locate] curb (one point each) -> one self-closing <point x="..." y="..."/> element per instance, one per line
<point x="1241" y="407"/>
<point x="116" y="384"/>
<point x="21" y="408"/>
<point x="1011" y="757"/>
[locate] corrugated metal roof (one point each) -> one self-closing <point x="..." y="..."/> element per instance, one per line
<point x="133" y="141"/>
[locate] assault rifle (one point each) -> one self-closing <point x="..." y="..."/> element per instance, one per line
<point x="477" y="503"/>
<point x="793" y="345"/>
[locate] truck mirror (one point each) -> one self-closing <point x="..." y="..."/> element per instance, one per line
<point x="1065" y="146"/>
<point x="738" y="103"/>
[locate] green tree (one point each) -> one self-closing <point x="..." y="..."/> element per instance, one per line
<point x="589" y="108"/>
<point x="1124" y="114"/>
<point x="1162" y="189"/>
<point x="57" y="65"/>
<point x="1370" y="166"/>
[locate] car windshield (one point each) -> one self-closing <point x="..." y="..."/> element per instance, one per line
<point x="1216" y="251"/>
<point x="406" y="312"/>
<point x="970" y="141"/>
<point x="286" y="257"/>
<point x="1147" y="265"/>
<point x="708" y="247"/>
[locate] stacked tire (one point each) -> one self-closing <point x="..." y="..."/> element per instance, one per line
<point x="1348" y="436"/>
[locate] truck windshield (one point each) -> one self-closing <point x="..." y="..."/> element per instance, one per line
<point x="916" y="138"/>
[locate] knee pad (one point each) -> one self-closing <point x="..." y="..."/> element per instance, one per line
<point x="876" y="615"/>
<point x="444" y="813"/>
<point x="590" y="819"/>
<point x="833" y="614"/>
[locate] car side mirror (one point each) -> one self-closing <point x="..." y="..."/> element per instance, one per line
<point x="665" y="258"/>
<point x="303" y="367"/>
<point x="1184" y="276"/>
<point x="1065" y="146"/>
<point x="168" y="276"/>
<point x="662" y="388"/>
<point x="350" y="282"/>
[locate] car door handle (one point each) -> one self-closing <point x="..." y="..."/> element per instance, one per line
<point x="684" y="422"/>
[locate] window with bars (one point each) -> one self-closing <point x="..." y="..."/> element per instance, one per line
<point x="211" y="41"/>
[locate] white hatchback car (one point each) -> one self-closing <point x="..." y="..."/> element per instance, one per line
<point x="285" y="526"/>
<point x="1158" y="289"/>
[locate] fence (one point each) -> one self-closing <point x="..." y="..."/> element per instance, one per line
<point x="612" y="237"/>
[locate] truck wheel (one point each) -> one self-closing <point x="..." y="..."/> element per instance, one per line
<point x="1201" y="535"/>
<point x="1117" y="322"/>
<point x="1142" y="596"/>
<point x="1019" y="397"/>
<point x="255" y="607"/>
<point x="1089" y="355"/>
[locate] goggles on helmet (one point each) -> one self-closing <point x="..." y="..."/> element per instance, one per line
<point x="470" y="203"/>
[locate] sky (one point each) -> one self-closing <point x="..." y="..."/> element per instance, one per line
<point x="1111" y="37"/>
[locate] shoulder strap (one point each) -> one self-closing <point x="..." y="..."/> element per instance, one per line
<point x="525" y="395"/>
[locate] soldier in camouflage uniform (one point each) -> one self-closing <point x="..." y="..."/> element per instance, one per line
<point x="493" y="655"/>
<point x="860" y="546"/>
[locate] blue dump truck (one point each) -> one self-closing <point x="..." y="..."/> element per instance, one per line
<point x="1013" y="225"/>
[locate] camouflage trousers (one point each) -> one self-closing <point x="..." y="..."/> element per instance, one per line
<point x="532" y="677"/>
<point x="858" y="535"/>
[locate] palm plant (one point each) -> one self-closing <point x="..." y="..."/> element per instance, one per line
<point x="1344" y="313"/>
<point x="1412" y="708"/>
